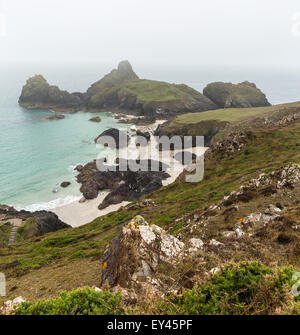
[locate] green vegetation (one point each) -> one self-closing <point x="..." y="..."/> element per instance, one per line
<point x="27" y="230"/>
<point x="141" y="90"/>
<point x="267" y="151"/>
<point x="226" y="95"/>
<point x="84" y="301"/>
<point x="247" y="288"/>
<point x="83" y="242"/>
<point x="237" y="289"/>
<point x="151" y="91"/>
<point x="79" y="248"/>
<point x="231" y="115"/>
<point x="5" y="229"/>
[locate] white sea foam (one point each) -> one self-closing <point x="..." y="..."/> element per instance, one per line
<point x="51" y="204"/>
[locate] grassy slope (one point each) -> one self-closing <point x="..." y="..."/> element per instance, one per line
<point x="142" y="89"/>
<point x="73" y="257"/>
<point x="151" y="90"/>
<point x="231" y="115"/>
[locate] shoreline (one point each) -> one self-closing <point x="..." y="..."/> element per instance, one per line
<point x="78" y="214"/>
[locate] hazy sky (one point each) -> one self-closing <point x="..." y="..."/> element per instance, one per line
<point x="246" y="32"/>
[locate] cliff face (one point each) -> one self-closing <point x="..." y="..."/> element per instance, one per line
<point x="37" y="93"/>
<point x="242" y="95"/>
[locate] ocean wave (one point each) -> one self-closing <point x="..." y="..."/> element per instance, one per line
<point x="45" y="206"/>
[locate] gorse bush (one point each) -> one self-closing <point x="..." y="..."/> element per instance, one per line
<point x="238" y="289"/>
<point x="84" y="301"/>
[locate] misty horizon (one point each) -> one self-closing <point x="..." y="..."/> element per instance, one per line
<point x="231" y="34"/>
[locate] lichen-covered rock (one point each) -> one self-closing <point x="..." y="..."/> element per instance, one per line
<point x="265" y="184"/>
<point x="134" y="255"/>
<point x="9" y="306"/>
<point x="228" y="95"/>
<point x="194" y="245"/>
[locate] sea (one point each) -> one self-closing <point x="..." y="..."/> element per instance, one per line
<point x="37" y="155"/>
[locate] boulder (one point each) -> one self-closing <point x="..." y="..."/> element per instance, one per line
<point x="79" y="168"/>
<point x="55" y="117"/>
<point x="135" y="253"/>
<point x="9" y="306"/>
<point x="95" y="119"/>
<point x="65" y="184"/>
<point x="119" y="138"/>
<point x="228" y="95"/>
<point x="132" y="258"/>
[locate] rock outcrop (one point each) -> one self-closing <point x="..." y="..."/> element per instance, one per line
<point x="10" y="305"/>
<point x="120" y="139"/>
<point x="33" y="223"/>
<point x="38" y="94"/>
<point x="124" y="185"/>
<point x="208" y="129"/>
<point x="55" y="117"/>
<point x="228" y="95"/>
<point x="95" y="119"/>
<point x="132" y="258"/>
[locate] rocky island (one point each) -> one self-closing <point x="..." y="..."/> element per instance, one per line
<point x="38" y="94"/>
<point x="122" y="90"/>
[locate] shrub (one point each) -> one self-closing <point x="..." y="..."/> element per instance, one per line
<point x="239" y="289"/>
<point x="84" y="301"/>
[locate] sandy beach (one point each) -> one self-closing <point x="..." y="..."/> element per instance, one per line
<point x="77" y="214"/>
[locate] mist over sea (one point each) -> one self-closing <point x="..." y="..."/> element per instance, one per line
<point x="36" y="155"/>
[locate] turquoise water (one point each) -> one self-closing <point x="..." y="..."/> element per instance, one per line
<point x="36" y="154"/>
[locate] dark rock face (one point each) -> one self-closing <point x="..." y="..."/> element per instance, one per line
<point x="79" y="168"/>
<point x="124" y="185"/>
<point x="228" y="95"/>
<point x="47" y="221"/>
<point x="65" y="184"/>
<point x="37" y="93"/>
<point x="121" y="139"/>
